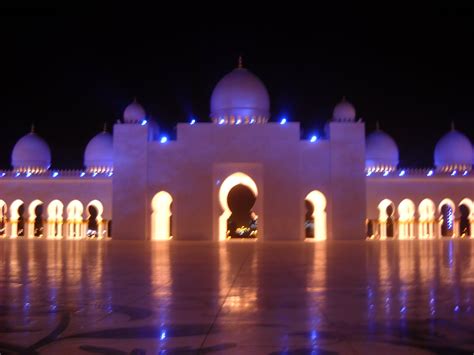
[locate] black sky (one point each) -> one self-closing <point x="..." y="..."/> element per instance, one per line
<point x="410" y="69"/>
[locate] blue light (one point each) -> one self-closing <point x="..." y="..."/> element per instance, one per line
<point x="430" y="173"/>
<point x="28" y="174"/>
<point x="221" y="121"/>
<point x="94" y="175"/>
<point x="314" y="138"/>
<point x="110" y="174"/>
<point x="238" y="121"/>
<point x="143" y="122"/>
<point x="163" y="335"/>
<point x="193" y="121"/>
<point x="17" y="174"/>
<point x="252" y="120"/>
<point x="163" y="139"/>
<point x="386" y="173"/>
<point x="2" y="174"/>
<point x="369" y="173"/>
<point x="283" y="120"/>
<point x="82" y="174"/>
<point x="55" y="174"/>
<point x="454" y="173"/>
<point x="402" y="173"/>
<point x="465" y="173"/>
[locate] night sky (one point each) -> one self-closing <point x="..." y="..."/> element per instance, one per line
<point x="410" y="69"/>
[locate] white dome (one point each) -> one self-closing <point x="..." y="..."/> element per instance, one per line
<point x="453" y="152"/>
<point x="134" y="113"/>
<point x="240" y="97"/>
<point x="344" y="111"/>
<point x="99" y="153"/>
<point x="381" y="152"/>
<point x="31" y="153"/>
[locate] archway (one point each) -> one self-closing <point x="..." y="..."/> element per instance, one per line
<point x="228" y="184"/>
<point x="386" y="219"/>
<point x="317" y="208"/>
<point x="466" y="220"/>
<point x="3" y="218"/>
<point x="161" y="216"/>
<point x="426" y="210"/>
<point x="242" y="223"/>
<point x="74" y="219"/>
<point x="406" y="219"/>
<point x="94" y="219"/>
<point x="446" y="218"/>
<point x="35" y="222"/>
<point x="17" y="220"/>
<point x="55" y="219"/>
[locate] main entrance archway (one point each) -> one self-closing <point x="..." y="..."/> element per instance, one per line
<point x="228" y="184"/>
<point x="161" y="216"/>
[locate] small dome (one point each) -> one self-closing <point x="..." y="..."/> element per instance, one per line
<point x="134" y="113"/>
<point x="240" y="97"/>
<point x="453" y="152"/>
<point x="99" y="153"/>
<point x="344" y="111"/>
<point x="31" y="153"/>
<point x="381" y="152"/>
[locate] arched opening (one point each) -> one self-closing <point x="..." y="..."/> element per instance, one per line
<point x="242" y="223"/>
<point x="406" y="219"/>
<point x="386" y="219"/>
<point x="55" y="219"/>
<point x="75" y="210"/>
<point x="426" y="210"/>
<point x="35" y="222"/>
<point x="94" y="219"/>
<point x="3" y="218"/>
<point x="17" y="219"/>
<point x="446" y="218"/>
<point x="161" y="217"/>
<point x="466" y="220"/>
<point x="226" y="227"/>
<point x="315" y="203"/>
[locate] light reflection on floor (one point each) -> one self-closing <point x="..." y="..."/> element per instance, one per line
<point x="236" y="297"/>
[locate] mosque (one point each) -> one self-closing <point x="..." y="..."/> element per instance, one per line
<point x="137" y="184"/>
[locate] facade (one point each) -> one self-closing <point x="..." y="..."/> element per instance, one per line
<point x="139" y="185"/>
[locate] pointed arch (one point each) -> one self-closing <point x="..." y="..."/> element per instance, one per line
<point x="446" y="211"/>
<point x="75" y="220"/>
<point x="94" y="220"/>
<point x="466" y="218"/>
<point x="161" y="216"/>
<point x="426" y="221"/>
<point x="55" y="219"/>
<point x="230" y="182"/>
<point x="406" y="219"/>
<point x="35" y="219"/>
<point x="319" y="202"/>
<point x="17" y="224"/>
<point x="386" y="218"/>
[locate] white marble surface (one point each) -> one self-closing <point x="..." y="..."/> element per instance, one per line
<point x="237" y="297"/>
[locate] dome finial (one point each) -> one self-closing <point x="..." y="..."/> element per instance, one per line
<point x="32" y="128"/>
<point x="453" y="128"/>
<point x="240" y="64"/>
<point x="105" y="126"/>
<point x="377" y="126"/>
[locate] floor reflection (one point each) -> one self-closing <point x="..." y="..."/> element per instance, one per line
<point x="236" y="297"/>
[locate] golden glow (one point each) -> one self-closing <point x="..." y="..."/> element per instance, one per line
<point x="160" y="218"/>
<point x="100" y="209"/>
<point x="406" y="213"/>
<point x="318" y="200"/>
<point x="75" y="210"/>
<point x="32" y="217"/>
<point x="383" y="216"/>
<point x="55" y="219"/>
<point x="426" y="221"/>
<point x="235" y="179"/>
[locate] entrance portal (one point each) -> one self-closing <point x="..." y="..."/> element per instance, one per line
<point x="239" y="208"/>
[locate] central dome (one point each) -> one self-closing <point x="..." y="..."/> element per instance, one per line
<point x="240" y="97"/>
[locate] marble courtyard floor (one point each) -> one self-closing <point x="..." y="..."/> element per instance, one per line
<point x="238" y="297"/>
